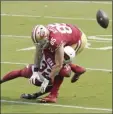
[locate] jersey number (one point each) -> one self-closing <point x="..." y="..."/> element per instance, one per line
<point x="62" y="28"/>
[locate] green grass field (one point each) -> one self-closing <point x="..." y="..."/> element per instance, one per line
<point x="93" y="92"/>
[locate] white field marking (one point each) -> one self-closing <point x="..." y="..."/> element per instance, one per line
<point x="99" y="38"/>
<point x="99" y="41"/>
<point x="104" y="35"/>
<point x="106" y="70"/>
<point x="91" y="38"/>
<point x="14" y="63"/>
<point x="58" y="105"/>
<point x="26" y="49"/>
<point x="16" y="36"/>
<point x="102" y="48"/>
<point x="91" y="2"/>
<point x="49" y="17"/>
<point x="94" y="69"/>
<point x="17" y="15"/>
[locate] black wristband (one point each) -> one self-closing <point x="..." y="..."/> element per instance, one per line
<point x="36" y="69"/>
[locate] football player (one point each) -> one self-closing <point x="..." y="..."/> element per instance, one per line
<point x="44" y="71"/>
<point x="64" y="72"/>
<point x="53" y="38"/>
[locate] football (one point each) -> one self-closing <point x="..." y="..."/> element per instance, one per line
<point x="102" y="19"/>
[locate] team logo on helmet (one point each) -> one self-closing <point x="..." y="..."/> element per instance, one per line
<point x="70" y="52"/>
<point x="39" y="32"/>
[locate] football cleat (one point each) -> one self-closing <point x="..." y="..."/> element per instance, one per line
<point x="28" y="96"/>
<point x="49" y="99"/>
<point x="76" y="77"/>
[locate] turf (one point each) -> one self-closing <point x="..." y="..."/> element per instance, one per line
<point x="94" y="88"/>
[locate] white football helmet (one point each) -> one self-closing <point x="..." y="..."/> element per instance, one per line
<point x="70" y="52"/>
<point x="40" y="33"/>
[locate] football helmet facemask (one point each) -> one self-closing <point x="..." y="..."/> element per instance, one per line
<point x="40" y="34"/>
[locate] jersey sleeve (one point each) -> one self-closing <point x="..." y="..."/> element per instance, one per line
<point x="55" y="42"/>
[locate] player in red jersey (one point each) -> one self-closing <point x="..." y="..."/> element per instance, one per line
<point x="46" y="64"/>
<point x="53" y="38"/>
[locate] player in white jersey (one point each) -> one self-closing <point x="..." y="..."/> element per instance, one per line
<point x="54" y="37"/>
<point x="44" y="72"/>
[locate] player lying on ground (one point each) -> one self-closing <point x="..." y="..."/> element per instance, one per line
<point x="53" y="38"/>
<point x="47" y="63"/>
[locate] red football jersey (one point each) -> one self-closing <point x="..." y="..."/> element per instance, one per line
<point x="63" y="33"/>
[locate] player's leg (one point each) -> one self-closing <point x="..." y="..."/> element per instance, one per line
<point x="26" y="72"/>
<point x="52" y="97"/>
<point x="36" y="94"/>
<point x="80" y="46"/>
<point x="83" y="43"/>
<point x="64" y="72"/>
<point x="78" y="71"/>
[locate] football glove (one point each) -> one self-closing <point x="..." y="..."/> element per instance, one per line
<point x="44" y="85"/>
<point x="34" y="77"/>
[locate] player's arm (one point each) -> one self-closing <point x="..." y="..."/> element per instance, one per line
<point x="59" y="58"/>
<point x="37" y="58"/>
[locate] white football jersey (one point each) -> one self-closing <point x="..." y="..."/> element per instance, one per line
<point x="45" y="66"/>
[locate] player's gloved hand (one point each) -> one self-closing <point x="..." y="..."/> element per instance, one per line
<point x="34" y="77"/>
<point x="44" y="85"/>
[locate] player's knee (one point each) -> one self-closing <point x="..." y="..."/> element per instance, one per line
<point x="80" y="69"/>
<point x="26" y="72"/>
<point x="65" y="71"/>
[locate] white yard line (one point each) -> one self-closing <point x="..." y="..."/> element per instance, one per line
<point x="99" y="38"/>
<point x="88" y="47"/>
<point x="104" y="41"/>
<point x="15" y="36"/>
<point x="91" y="2"/>
<point x="93" y="69"/>
<point x="14" y="63"/>
<point x="96" y="69"/>
<point x="90" y="38"/>
<point x="104" y="35"/>
<point x="102" y="48"/>
<point x="27" y="49"/>
<point x="57" y="105"/>
<point x="49" y="17"/>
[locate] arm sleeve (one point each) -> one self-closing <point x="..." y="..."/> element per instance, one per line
<point x="37" y="58"/>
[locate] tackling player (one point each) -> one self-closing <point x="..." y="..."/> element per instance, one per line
<point x="47" y="63"/>
<point x="53" y="38"/>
